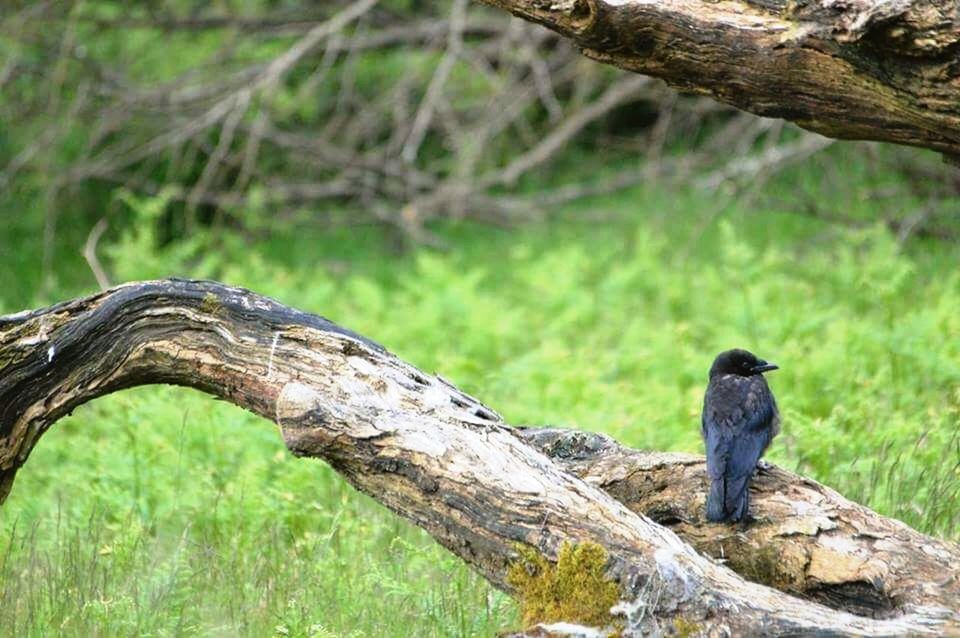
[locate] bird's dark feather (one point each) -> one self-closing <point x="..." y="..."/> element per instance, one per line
<point x="739" y="420"/>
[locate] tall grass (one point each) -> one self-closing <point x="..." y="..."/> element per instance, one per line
<point x="158" y="511"/>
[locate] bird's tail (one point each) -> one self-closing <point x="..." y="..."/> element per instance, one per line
<point x="728" y="499"/>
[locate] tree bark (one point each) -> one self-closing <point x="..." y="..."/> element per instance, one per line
<point x="443" y="460"/>
<point x="806" y="539"/>
<point x="850" y="69"/>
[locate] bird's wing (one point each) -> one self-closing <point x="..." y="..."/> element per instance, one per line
<point x="774" y="417"/>
<point x="745" y="450"/>
<point x="736" y="434"/>
<point x="718" y="440"/>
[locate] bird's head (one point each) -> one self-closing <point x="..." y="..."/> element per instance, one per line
<point x="740" y="362"/>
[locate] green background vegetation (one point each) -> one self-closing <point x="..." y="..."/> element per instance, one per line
<point x="161" y="512"/>
<point x="158" y="511"/>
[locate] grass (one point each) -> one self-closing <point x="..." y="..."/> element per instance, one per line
<point x="205" y="525"/>
<point x="158" y="511"/>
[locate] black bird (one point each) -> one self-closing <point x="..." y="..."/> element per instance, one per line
<point x="739" y="420"/>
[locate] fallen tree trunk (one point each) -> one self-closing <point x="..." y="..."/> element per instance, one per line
<point x="853" y="69"/>
<point x="806" y="539"/>
<point x="431" y="453"/>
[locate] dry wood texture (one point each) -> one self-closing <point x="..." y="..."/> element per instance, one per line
<point x="443" y="460"/>
<point x="806" y="538"/>
<point x="853" y="69"/>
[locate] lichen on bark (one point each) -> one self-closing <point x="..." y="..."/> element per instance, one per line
<point x="575" y="589"/>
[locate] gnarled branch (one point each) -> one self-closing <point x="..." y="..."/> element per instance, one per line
<point x="431" y="453"/>
<point x="858" y="69"/>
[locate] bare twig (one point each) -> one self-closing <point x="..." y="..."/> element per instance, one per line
<point x="90" y="253"/>
<point x="425" y="113"/>
<point x="772" y="158"/>
<point x="327" y="124"/>
<point x="627" y="88"/>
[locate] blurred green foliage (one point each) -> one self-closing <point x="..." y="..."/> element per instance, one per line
<point x="159" y="511"/>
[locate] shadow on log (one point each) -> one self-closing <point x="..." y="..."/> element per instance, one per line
<point x="446" y="462"/>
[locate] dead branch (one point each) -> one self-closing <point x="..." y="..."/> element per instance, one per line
<point x="443" y="460"/>
<point x="851" y="70"/>
<point x="421" y="145"/>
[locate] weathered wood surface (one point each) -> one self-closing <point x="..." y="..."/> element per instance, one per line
<point x="885" y="70"/>
<point x="806" y="539"/>
<point x="431" y="453"/>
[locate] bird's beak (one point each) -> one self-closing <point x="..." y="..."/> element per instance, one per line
<point x="763" y="366"/>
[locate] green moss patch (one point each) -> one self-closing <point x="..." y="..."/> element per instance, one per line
<point x="575" y="589"/>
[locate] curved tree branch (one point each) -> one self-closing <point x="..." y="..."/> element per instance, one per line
<point x="431" y="453"/>
<point x="851" y="69"/>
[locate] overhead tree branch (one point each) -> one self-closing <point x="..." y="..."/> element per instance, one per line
<point x="433" y="454"/>
<point x="857" y="69"/>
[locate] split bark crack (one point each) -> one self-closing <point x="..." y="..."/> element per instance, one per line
<point x="814" y="562"/>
